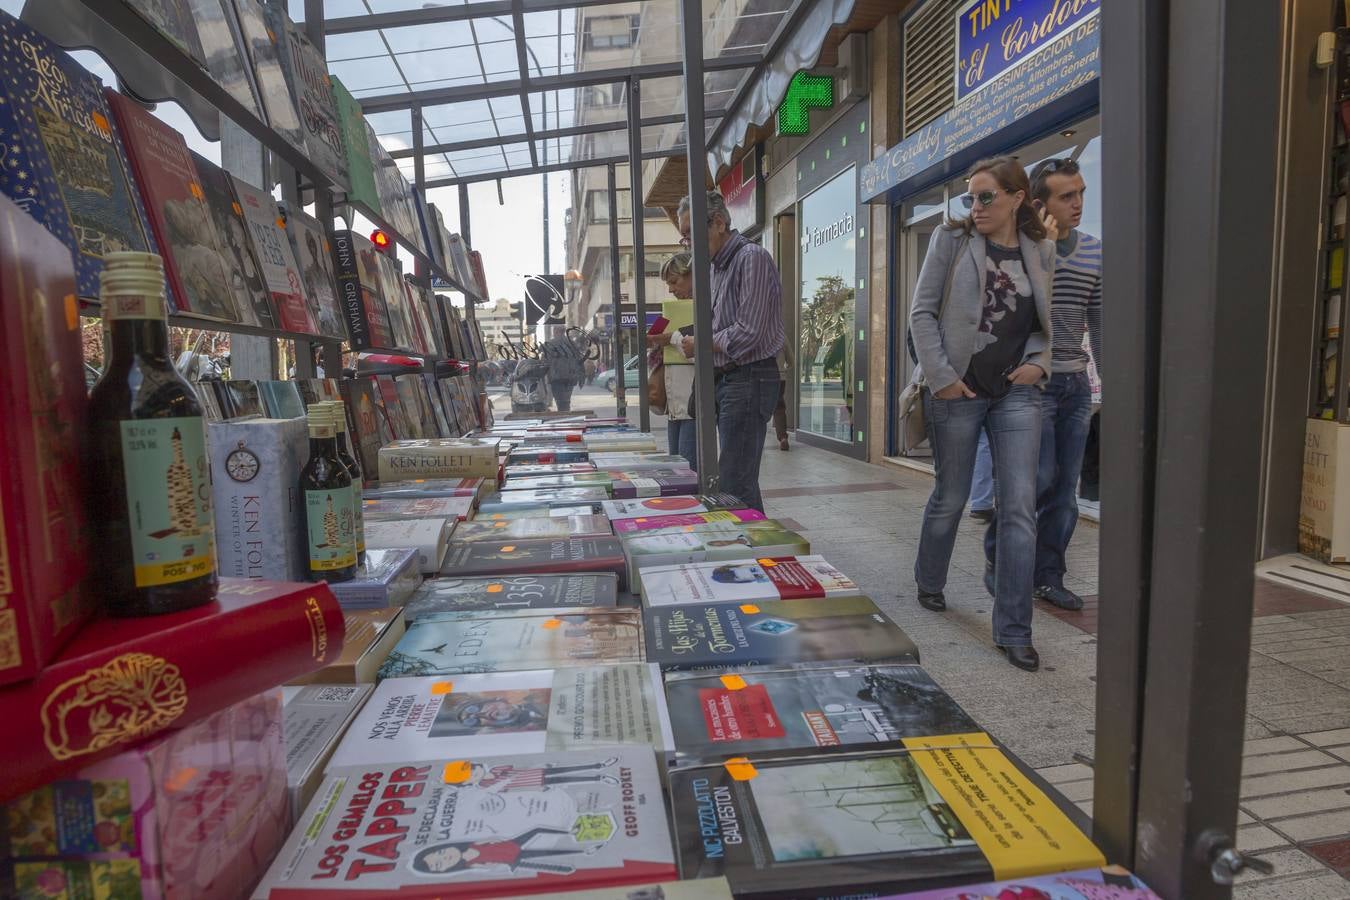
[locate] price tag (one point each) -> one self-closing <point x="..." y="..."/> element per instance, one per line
<point x="551" y="623"/>
<point x="457" y="772"/>
<point x="749" y="609"/>
<point x="740" y="768"/>
<point x="766" y="563"/>
<point x="509" y="548"/>
<point x="441" y="688"/>
<point x="494" y="588"/>
<point x="180" y="779"/>
<point x="733" y="682"/>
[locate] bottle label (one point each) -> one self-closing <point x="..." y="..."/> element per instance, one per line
<point x="168" y="499"/>
<point x="358" y="507"/>
<point x="133" y="306"/>
<point x="331" y="527"/>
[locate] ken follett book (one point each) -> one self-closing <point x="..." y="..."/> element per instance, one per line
<point x="536" y="557"/>
<point x="774" y="632"/>
<point x="438" y="595"/>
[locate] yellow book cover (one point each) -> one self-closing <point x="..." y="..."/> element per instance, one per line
<point x="681" y="315"/>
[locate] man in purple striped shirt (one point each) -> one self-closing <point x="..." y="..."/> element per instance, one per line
<point x="747" y="322"/>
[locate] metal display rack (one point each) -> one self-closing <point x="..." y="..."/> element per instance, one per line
<point x="1329" y="390"/>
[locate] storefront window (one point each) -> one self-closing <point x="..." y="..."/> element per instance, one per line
<point x="828" y="254"/>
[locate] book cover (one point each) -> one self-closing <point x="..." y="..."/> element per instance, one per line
<point x="241" y="398"/>
<point x="439" y="409"/>
<point x="365" y="429"/>
<point x="535" y="512"/>
<point x="655" y="484"/>
<point x="306" y="74"/>
<point x="803" y="707"/>
<point x="265" y="56"/>
<point x="513" y="640"/>
<point x="420" y="318"/>
<point x="745" y="580"/>
<point x="700" y="889"/>
<point x="427" y="536"/>
<point x="943" y="810"/>
<point x="280" y="270"/>
<point x="255" y="494"/>
<point x="479" y="284"/>
<point x="422" y="720"/>
<point x="444" y="594"/>
<point x="64" y="163"/>
<point x="223" y="48"/>
<point x="1109" y="883"/>
<point x="316" y="716"/>
<point x="538" y="528"/>
<point x="568" y="480"/>
<point x="415" y="488"/>
<point x="384" y="508"/>
<point x="314" y="257"/>
<point x="121" y="681"/>
<point x="459" y="261"/>
<point x="680" y="313"/>
<point x="195" y="812"/>
<point x="630" y="441"/>
<point x="412" y="393"/>
<point x="386" y="579"/>
<point x="536" y="557"/>
<point x="534" y="823"/>
<point x="407" y="459"/>
<point x="576" y="496"/>
<point x="179" y="215"/>
<point x="399" y="423"/>
<point x="360" y="171"/>
<point x="395" y="193"/>
<point x="173" y="19"/>
<point x="531" y="471"/>
<point x="774" y="632"/>
<point x="717" y="519"/>
<point x="665" y="506"/>
<point x="362" y="297"/>
<point x="546" y="455"/>
<point x="43" y="554"/>
<point x="243" y="269"/>
<point x="280" y="399"/>
<point x="396" y="301"/>
<point x="371" y="634"/>
<point x="748" y="542"/>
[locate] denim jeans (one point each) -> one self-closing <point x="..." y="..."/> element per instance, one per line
<point x="746" y="397"/>
<point x="682" y="435"/>
<point x="1013" y="423"/>
<point x="982" y="485"/>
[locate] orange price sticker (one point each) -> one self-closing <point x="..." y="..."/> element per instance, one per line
<point x="740" y="768"/>
<point x="195" y="190"/>
<point x="281" y="223"/>
<point x="509" y="548"/>
<point x="733" y="682"/>
<point x="457" y="772"/>
<point x="749" y="609"/>
<point x="180" y="778"/>
<point x="238" y="210"/>
<point x="441" y="688"/>
<point x="72" y="312"/>
<point x="551" y="623"/>
<point x="101" y="121"/>
<point x="766" y="563"/>
<point x="494" y="588"/>
<point x="501" y="524"/>
<point x="640" y="519"/>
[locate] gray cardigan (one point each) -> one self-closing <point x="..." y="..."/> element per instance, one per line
<point x="944" y="348"/>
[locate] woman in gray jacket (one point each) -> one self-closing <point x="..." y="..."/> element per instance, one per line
<point x="981" y="329"/>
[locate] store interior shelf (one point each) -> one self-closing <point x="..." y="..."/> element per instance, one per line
<point x="381" y="223"/>
<point x="121" y="18"/>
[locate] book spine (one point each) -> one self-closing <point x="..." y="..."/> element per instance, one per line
<point x="87" y="708"/>
<point x="349" y="290"/>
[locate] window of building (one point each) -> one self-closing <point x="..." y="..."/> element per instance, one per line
<point x="610" y="32"/>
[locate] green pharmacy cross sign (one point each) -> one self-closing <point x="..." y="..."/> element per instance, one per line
<point x="805" y="92"/>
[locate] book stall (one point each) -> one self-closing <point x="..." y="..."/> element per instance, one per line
<point x="350" y="637"/>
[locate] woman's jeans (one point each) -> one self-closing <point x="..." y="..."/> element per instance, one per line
<point x="982" y="486"/>
<point x="1013" y="423"/>
<point x="682" y="434"/>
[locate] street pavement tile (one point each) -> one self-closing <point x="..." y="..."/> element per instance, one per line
<point x="1315" y="887"/>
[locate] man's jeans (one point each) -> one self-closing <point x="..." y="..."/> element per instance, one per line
<point x="982" y="485"/>
<point x="1013" y="423"/>
<point x="562" y="394"/>
<point x="746" y="397"/>
<point x="682" y="436"/>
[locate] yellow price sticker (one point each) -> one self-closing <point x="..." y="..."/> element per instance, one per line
<point x="502" y="524"/>
<point x="766" y="563"/>
<point x="740" y="768"/>
<point x="733" y="682"/>
<point x="494" y="588"/>
<point x="441" y="688"/>
<point x="749" y="609"/>
<point x="457" y="772"/>
<point x="508" y="548"/>
<point x="180" y="779"/>
<point x="551" y="623"/>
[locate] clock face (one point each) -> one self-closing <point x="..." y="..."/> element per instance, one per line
<point x="242" y="465"/>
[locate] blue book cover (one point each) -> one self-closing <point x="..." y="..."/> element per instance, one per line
<point x="63" y="160"/>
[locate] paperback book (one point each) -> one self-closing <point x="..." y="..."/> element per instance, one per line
<point x="307" y="75"/>
<point x="243" y="270"/>
<point x="386" y="579"/>
<point x="281" y="399"/>
<point x="366" y="421"/>
<point x="439" y="458"/>
<point x="514" y="640"/>
<point x="622" y="460"/>
<point x="536" y="557"/>
<point x="745" y="543"/>
<point x="703" y="521"/>
<point x="314" y="257"/>
<point x="507" y="500"/>
<point x="514" y="472"/>
<point x="422" y="720"/>
<point x="385" y="509"/>
<point x="438" y="595"/>
<point x="547" y="455"/>
<point x="539" y="528"/>
<point x="745" y="581"/>
<point x="414" y="488"/>
<point x="774" y="632"/>
<point x="1109" y="883"/>
<point x="274" y="252"/>
<point x="316" y="718"/>
<point x="360" y="292"/>
<point x="569" y="480"/>
<point x="223" y="49"/>
<point x="537" y="512"/>
<point x="673" y="483"/>
<point x="173" y="19"/>
<point x="428" y="537"/>
<point x="360" y="170"/>
<point x="580" y="819"/>
<point x="667" y="506"/>
<point x="265" y="55"/>
<point x="371" y="634"/>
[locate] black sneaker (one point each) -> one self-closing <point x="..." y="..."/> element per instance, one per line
<point x="1059" y="596"/>
<point x="933" y="602"/>
<point x="982" y="515"/>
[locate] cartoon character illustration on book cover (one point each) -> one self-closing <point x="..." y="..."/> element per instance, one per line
<point x="513" y="854"/>
<point x="536" y="778"/>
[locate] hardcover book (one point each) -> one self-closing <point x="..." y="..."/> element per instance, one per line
<point x="386" y="579"/>
<point x="745" y="581"/>
<point x="385" y="508"/>
<point x="576" y="496"/>
<point x="121" y="681"/>
<point x="942" y="810"/>
<point x="223" y="49"/>
<point x="265" y="54"/>
<point x="358" y="278"/>
<point x="314" y="257"/>
<point x="42" y="416"/>
<point x="744" y="543"/>
<point x="1109" y="883"/>
<point x="255" y="493"/>
<point x="438" y="595"/>
<point x="360" y="171"/>
<point x="715" y="520"/>
<point x="274" y="253"/>
<point x="439" y="458"/>
<point x="243" y="270"/>
<point x="64" y="163"/>
<point x="774" y="632"/>
<point x="316" y="718"/>
<point x="173" y="19"/>
<point x="427" y="536"/>
<point x="422" y="720"/>
<point x="195" y="812"/>
<point x="803" y="707"/>
<point x="307" y="75"/>
<point x="513" y="640"/>
<point x="371" y="634"/>
<point x="582" y="819"/>
<point x="539" y="528"/>
<point x="184" y="227"/>
<point x="536" y="557"/>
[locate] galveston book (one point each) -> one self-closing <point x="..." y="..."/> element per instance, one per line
<point x="438" y="595"/>
<point x="512" y="640"/>
<point x="480" y="826"/>
<point x="744" y="580"/>
<point x="507" y="714"/>
<point x="774" y="632"/>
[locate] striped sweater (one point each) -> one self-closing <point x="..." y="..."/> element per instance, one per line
<point x="1077" y="302"/>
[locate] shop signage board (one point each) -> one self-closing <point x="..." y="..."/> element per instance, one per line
<point x="740" y="188"/>
<point x="994" y="37"/>
<point x="1070" y="65"/>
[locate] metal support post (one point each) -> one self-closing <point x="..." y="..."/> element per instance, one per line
<point x="639" y="247"/>
<point x="466" y="233"/>
<point x="323" y="200"/>
<point x="620" y="386"/>
<point x="691" y="22"/>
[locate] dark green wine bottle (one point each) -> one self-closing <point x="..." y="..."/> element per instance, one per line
<point x="326" y="487"/>
<point x="354" y="469"/>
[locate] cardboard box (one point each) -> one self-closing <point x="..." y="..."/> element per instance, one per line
<point x="1324" y="516"/>
<point x="316" y="718"/>
<point x="255" y="488"/>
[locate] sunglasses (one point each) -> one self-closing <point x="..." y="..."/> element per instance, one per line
<point x="985" y="198"/>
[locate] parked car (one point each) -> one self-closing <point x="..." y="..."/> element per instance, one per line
<point x="630" y="375"/>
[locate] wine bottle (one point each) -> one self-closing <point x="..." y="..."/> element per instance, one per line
<point x="327" y="490"/>
<point x="339" y="409"/>
<point x="154" y="532"/>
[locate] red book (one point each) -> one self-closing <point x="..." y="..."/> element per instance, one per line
<point x="42" y="418"/>
<point x="175" y="202"/>
<point x="479" y="273"/>
<point x="124" y="680"/>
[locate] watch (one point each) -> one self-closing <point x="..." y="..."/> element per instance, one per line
<point x="241" y="464"/>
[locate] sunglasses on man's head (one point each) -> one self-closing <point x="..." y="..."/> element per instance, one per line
<point x="986" y="198"/>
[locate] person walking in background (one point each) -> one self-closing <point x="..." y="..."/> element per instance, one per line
<point x="681" y="426"/>
<point x="982" y="483"/>
<point x="780" y="411"/>
<point x="747" y="326"/>
<point x="564" y="369"/>
<point x="981" y="327"/>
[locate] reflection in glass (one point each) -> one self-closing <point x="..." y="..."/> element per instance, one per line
<point x="827" y="321"/>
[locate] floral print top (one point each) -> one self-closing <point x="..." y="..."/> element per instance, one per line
<point x="1007" y="319"/>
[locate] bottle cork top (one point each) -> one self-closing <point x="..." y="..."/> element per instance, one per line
<point x="131" y="285"/>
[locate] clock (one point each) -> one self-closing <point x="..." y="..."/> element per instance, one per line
<point x="241" y="465"/>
